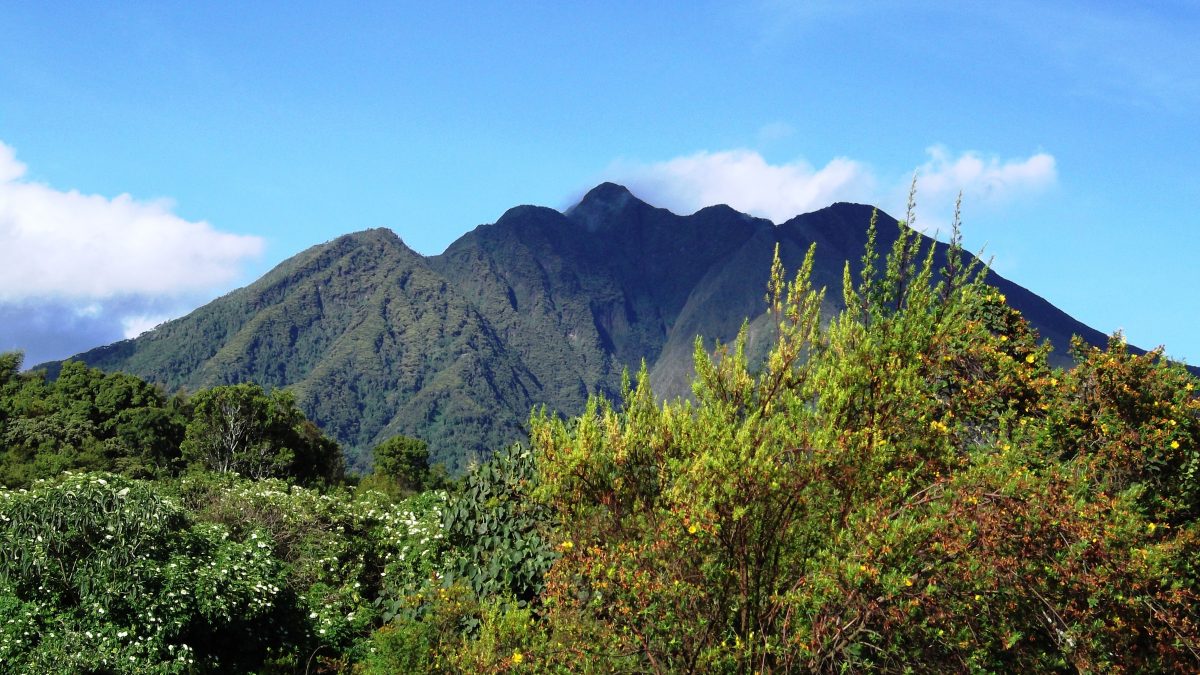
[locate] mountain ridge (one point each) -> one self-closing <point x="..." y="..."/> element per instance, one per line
<point x="540" y="307"/>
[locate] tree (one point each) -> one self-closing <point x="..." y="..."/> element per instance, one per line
<point x="242" y="429"/>
<point x="402" y="468"/>
<point x="83" y="420"/>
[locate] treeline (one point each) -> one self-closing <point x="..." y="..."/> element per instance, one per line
<point x="88" y="420"/>
<point x="909" y="487"/>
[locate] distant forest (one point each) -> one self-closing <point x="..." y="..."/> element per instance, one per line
<point x="908" y="487"/>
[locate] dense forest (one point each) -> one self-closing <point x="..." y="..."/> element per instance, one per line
<point x="910" y="487"/>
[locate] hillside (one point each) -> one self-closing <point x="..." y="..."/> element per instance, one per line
<point x="540" y="307"/>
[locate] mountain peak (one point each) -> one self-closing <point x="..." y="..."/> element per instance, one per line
<point x="600" y="204"/>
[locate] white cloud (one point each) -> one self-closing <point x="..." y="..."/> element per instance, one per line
<point x="66" y="244"/>
<point x="747" y="182"/>
<point x="136" y="324"/>
<point x="744" y="180"/>
<point x="987" y="184"/>
<point x="984" y="180"/>
<point x="10" y="168"/>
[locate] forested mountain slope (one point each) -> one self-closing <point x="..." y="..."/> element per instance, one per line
<point x="540" y="307"/>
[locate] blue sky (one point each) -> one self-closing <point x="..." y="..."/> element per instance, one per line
<point x="156" y="155"/>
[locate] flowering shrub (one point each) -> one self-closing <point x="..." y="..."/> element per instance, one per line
<point x="98" y="572"/>
<point x="340" y="553"/>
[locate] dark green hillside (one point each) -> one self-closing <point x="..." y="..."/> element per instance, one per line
<point x="372" y="342"/>
<point x="540" y="307"/>
<point x="581" y="296"/>
<point x="525" y="274"/>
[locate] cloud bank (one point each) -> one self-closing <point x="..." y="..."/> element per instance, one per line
<point x="984" y="180"/>
<point x="78" y="270"/>
<point x="72" y="245"/>
<point x="746" y="181"/>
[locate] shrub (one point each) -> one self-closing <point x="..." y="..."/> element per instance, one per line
<point x="101" y="573"/>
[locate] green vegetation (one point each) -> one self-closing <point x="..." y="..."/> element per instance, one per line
<point x="540" y="308"/>
<point x="907" y="486"/>
<point x="84" y="420"/>
<point x="241" y="429"/>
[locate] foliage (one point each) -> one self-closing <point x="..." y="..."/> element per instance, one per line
<point x="101" y="572"/>
<point x="495" y="529"/>
<point x="242" y="429"/>
<point x="98" y="572"/>
<point x="457" y="631"/>
<point x="908" y="486"/>
<point x="339" y="552"/>
<point x="904" y="489"/>
<point x="84" y="420"/>
<point x="1132" y="420"/>
<point x="401" y="468"/>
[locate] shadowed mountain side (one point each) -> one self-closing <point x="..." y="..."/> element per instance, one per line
<point x="582" y="295"/>
<point x="540" y="307"/>
<point x="735" y="291"/>
<point x="839" y="230"/>
<point x="533" y="275"/>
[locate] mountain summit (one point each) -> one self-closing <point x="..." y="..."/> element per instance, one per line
<point x="540" y="307"/>
<point x="602" y="204"/>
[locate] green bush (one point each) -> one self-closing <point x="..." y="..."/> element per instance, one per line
<point x="341" y="554"/>
<point x="99" y="573"/>
<point x="497" y="530"/>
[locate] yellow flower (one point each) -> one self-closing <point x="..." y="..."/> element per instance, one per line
<point x="1004" y="338"/>
<point x="692" y="529"/>
<point x="1030" y="359"/>
<point x="1002" y="298"/>
<point x="978" y="598"/>
<point x="1151" y="528"/>
<point x="908" y="582"/>
<point x="567" y="545"/>
<point x="1174" y="445"/>
<point x="517" y="657"/>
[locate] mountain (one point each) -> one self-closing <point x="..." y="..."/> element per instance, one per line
<point x="538" y="308"/>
